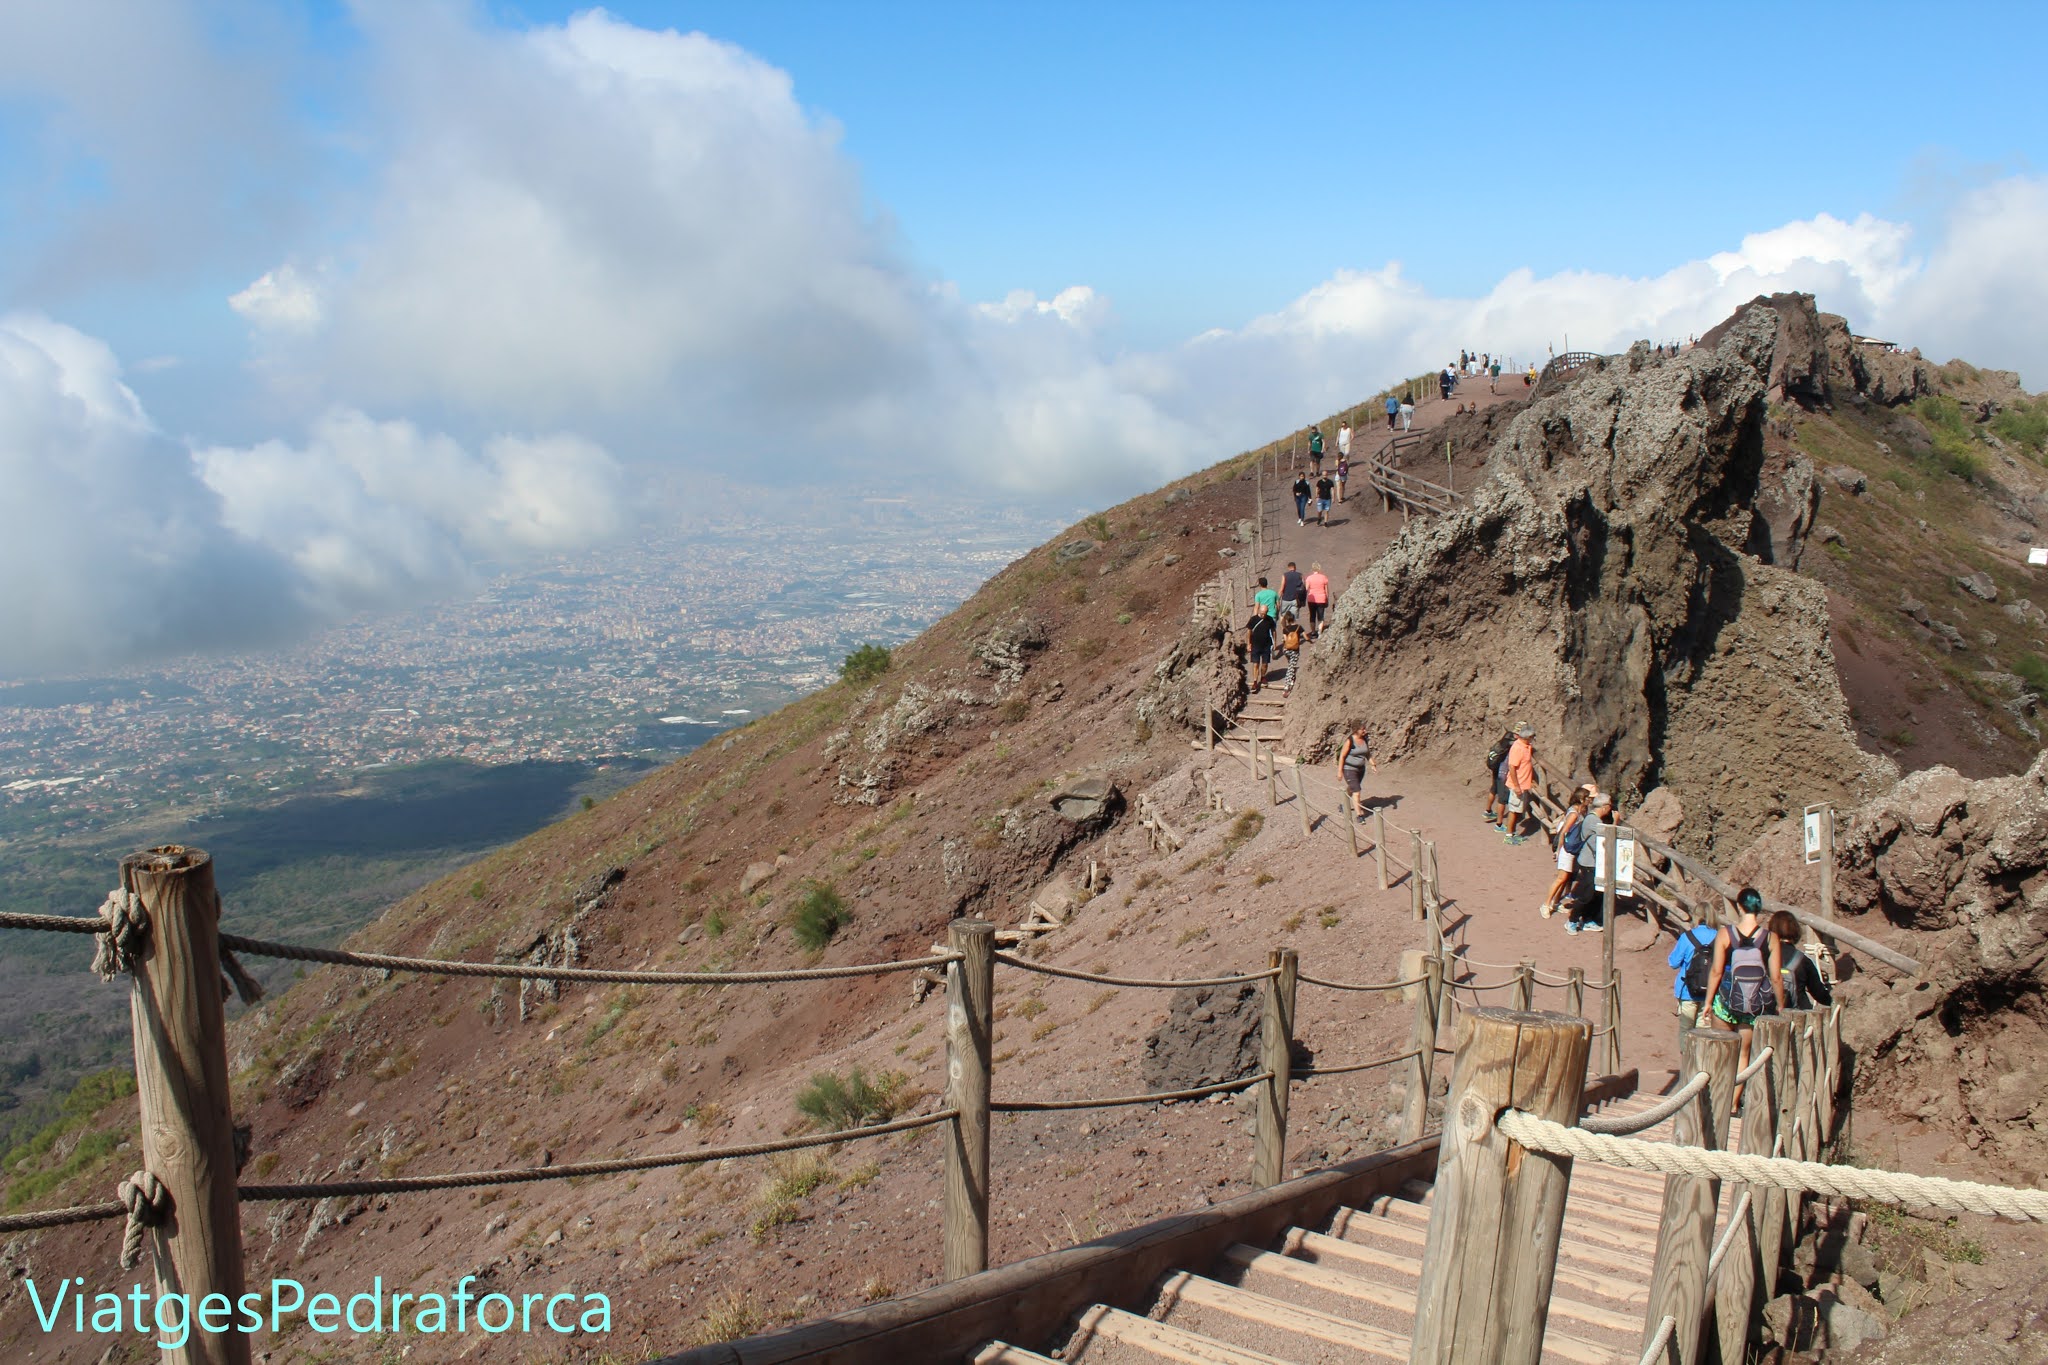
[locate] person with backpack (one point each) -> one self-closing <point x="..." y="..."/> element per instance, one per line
<point x="1293" y="592"/>
<point x="1258" y="644"/>
<point x="1497" y="780"/>
<point x="1301" y="491"/>
<point x="1290" y="645"/>
<point x="1744" y="980"/>
<point x="1588" y="912"/>
<point x="1571" y="837"/>
<point x="1521" y="782"/>
<point x="1393" y="410"/>
<point x="1315" y="450"/>
<point x="1352" y="763"/>
<point x="1690" y="959"/>
<point x="1805" y="987"/>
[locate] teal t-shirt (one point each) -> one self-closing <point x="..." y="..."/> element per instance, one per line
<point x="1315" y="443"/>
<point x="1271" y="599"/>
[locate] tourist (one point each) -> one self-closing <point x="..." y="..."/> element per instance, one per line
<point x="1290" y="645"/>
<point x="1407" y="411"/>
<point x="1589" y="906"/>
<point x="1529" y="379"/>
<point x="1258" y="644"/>
<point x="1352" y="762"/>
<point x="1293" y="592"/>
<point x="1745" y="979"/>
<point x="1804" y="985"/>
<point x="1343" y="444"/>
<point x="1393" y="410"/>
<point x="1690" y="959"/>
<point x="1521" y="781"/>
<point x="1317" y="586"/>
<point x="1445" y="382"/>
<point x="1267" y="598"/>
<point x="1315" y="450"/>
<point x="1571" y="837"/>
<point x="1325" y="486"/>
<point x="1343" y="475"/>
<point x="1301" y="491"/>
<point x="1493" y="376"/>
<point x="1497" y="780"/>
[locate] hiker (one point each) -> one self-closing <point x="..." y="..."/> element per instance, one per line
<point x="1571" y="837"/>
<point x="1589" y="905"/>
<point x="1301" y="492"/>
<point x="1805" y="987"/>
<point x="1521" y="776"/>
<point x="1343" y="474"/>
<point x="1315" y="450"/>
<point x="1745" y="979"/>
<point x="1690" y="960"/>
<point x="1529" y="378"/>
<point x="1290" y="645"/>
<point x="1258" y="644"/>
<point x="1325" y="486"/>
<point x="1493" y="376"/>
<point x="1352" y="762"/>
<point x="1317" y="586"/>
<point x="1445" y="382"/>
<point x="1407" y="412"/>
<point x="1497" y="779"/>
<point x="1393" y="410"/>
<point x="1293" y="592"/>
<point x="1267" y="598"/>
<point x="1343" y="444"/>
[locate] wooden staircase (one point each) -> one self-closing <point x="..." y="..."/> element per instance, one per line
<point x="1346" y="1292"/>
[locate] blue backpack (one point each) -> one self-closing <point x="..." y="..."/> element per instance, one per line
<point x="1575" y="837"/>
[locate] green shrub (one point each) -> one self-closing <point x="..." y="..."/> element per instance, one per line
<point x="2033" y="669"/>
<point x="836" y="1102"/>
<point x="818" y="916"/>
<point x="864" y="665"/>
<point x="2024" y="423"/>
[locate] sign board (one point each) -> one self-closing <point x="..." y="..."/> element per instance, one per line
<point x="1816" y="839"/>
<point x="1624" y="859"/>
<point x="2038" y="554"/>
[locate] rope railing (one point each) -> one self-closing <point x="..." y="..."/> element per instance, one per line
<point x="1799" y="1177"/>
<point x="1648" y="1118"/>
<point x="529" y="1175"/>
<point x="1139" y="982"/>
<point x="57" y="1218"/>
<point x="1756" y="1064"/>
<point x="450" y="967"/>
<point x="1311" y="1072"/>
<point x="1476" y="988"/>
<point x="1660" y="1344"/>
<point x="54" y="924"/>
<point x="1121" y="1101"/>
<point x="1305" y="979"/>
<point x="1735" y="1224"/>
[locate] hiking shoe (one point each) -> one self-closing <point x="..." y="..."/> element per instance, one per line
<point x="1572" y="926"/>
<point x="1546" y="910"/>
<point x="1518" y="839"/>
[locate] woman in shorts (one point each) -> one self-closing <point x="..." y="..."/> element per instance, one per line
<point x="1745" y="980"/>
<point x="1352" y="763"/>
<point x="1567" y="858"/>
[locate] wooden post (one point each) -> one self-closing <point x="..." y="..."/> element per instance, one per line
<point x="1301" y="799"/>
<point x="1422" y="1042"/>
<point x="1276" y="1054"/>
<point x="1831" y="1068"/>
<point x="1767" y="1202"/>
<point x="181" y="1078"/>
<point x="970" y="1019"/>
<point x="1436" y="886"/>
<point x="1351" y="828"/>
<point x="1685" y="1238"/>
<point x="1209" y="731"/>
<point x="1816" y="1082"/>
<point x="1613" y="1022"/>
<point x="1575" y="991"/>
<point x="1525" y="983"/>
<point x="1272" y="778"/>
<point x="1415" y="876"/>
<point x="1253" y="758"/>
<point x="1610" y="855"/>
<point x="1827" y="861"/>
<point x="1792" y="1120"/>
<point x="1493" y="1234"/>
<point x="1379" y="844"/>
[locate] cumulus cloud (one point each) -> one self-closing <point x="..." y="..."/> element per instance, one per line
<point x="118" y="543"/>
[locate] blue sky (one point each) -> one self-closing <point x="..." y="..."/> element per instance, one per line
<point x="371" y="291"/>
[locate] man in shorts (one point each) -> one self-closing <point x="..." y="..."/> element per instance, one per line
<point x="1267" y="598"/>
<point x="1315" y="450"/>
<point x="1317" y="586"/>
<point x="1325" y="488"/>
<point x="1521" y="778"/>
<point x="1293" y="593"/>
<point x="1258" y="644"/>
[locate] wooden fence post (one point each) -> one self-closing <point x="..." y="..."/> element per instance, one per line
<point x="1613" y="1023"/>
<point x="1816" y="1082"/>
<point x="1301" y="799"/>
<point x="970" y="1019"/>
<point x="1209" y="731"/>
<point x="1685" y="1236"/>
<point x="1831" y="1068"/>
<point x="1415" y="874"/>
<point x="1272" y="778"/>
<point x="1760" y="1113"/>
<point x="1575" y="991"/>
<point x="1422" y="1042"/>
<point x="1276" y="1054"/>
<point x="1525" y="983"/>
<point x="1379" y="844"/>
<point x="1254" y="753"/>
<point x="181" y="1079"/>
<point x="1350" y="826"/>
<point x="1493" y="1235"/>
<point x="1436" y="886"/>
<point x="1792" y="1120"/>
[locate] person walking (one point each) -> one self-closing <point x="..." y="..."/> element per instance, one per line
<point x="1290" y="645"/>
<point x="1301" y="491"/>
<point x="1267" y="598"/>
<point x="1293" y="592"/>
<point x="1497" y="780"/>
<point x="1325" y="486"/>
<point x="1493" y="376"/>
<point x="1588" y="906"/>
<point x="1258" y="644"/>
<point x="1393" y="410"/>
<point x="1571" y="837"/>
<point x="1690" y="960"/>
<point x="1343" y="444"/>
<point x="1407" y="412"/>
<point x="1521" y="780"/>
<point x="1445" y="382"/>
<point x="1352" y="763"/>
<point x="1343" y="475"/>
<point x="1529" y="379"/>
<point x="1315" y="450"/>
<point x="1745" y="979"/>
<point x="1805" y="987"/>
<point x="1317" y="587"/>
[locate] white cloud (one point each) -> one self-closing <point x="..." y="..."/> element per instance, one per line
<point x="118" y="543"/>
<point x="281" y="300"/>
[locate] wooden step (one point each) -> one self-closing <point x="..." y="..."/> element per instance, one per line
<point x="1003" y="1353"/>
<point x="1395" y="1223"/>
<point x="1625" y="1287"/>
<point x="1258" y="1309"/>
<point x="1164" y="1340"/>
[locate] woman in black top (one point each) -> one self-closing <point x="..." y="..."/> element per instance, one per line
<point x="1804" y="987"/>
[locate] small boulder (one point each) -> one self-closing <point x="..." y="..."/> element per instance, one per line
<point x="1828" y="535"/>
<point x="1850" y="480"/>
<point x="754" y="876"/>
<point x="1660" y="815"/>
<point x="1978" y="585"/>
<point x="1071" y="550"/>
<point x="1086" y="801"/>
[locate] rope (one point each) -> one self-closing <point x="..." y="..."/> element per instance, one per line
<point x="1309" y="1072"/>
<point x="1801" y="1177"/>
<point x="1756" y="1064"/>
<point x="147" y="1203"/>
<point x="57" y="1218"/>
<point x="1735" y="1217"/>
<point x="1040" y="1106"/>
<point x="1168" y="984"/>
<point x="467" y="1179"/>
<point x="54" y="924"/>
<point x="1651" y="1117"/>
<point x="1661" y="1342"/>
<point x="124" y="926"/>
<point x="383" y="962"/>
<point x="1307" y="980"/>
<point x="1475" y="988"/>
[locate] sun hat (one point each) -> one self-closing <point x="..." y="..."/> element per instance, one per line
<point x="1526" y="730"/>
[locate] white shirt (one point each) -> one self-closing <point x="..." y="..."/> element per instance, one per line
<point x="1343" y="440"/>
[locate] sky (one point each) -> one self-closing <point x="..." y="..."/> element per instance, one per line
<point x="312" y="308"/>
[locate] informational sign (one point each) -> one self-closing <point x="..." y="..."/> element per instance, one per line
<point x="1624" y="859"/>
<point x="2038" y="555"/>
<point x="1816" y="838"/>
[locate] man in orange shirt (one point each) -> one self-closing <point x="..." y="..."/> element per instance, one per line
<point x="1521" y="779"/>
